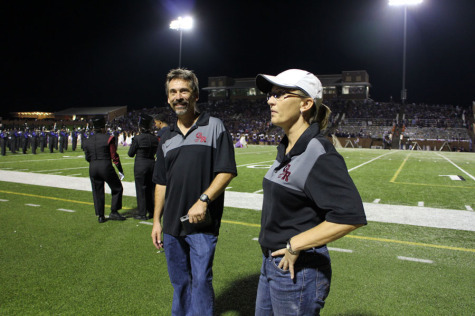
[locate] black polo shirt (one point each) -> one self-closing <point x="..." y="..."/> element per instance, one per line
<point x="186" y="165"/>
<point x="307" y="186"/>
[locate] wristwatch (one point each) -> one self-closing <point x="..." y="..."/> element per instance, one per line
<point x="204" y="198"/>
<point x="290" y="250"/>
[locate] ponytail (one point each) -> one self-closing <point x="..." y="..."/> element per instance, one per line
<point x="319" y="113"/>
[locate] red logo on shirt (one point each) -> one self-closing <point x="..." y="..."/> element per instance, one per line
<point x="200" y="138"/>
<point x="285" y="173"/>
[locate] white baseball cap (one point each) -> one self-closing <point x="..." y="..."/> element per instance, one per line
<point x="292" y="79"/>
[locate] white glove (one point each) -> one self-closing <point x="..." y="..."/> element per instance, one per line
<point x="121" y="176"/>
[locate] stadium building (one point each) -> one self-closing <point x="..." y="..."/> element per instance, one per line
<point x="349" y="85"/>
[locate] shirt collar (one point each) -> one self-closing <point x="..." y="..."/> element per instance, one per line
<point x="203" y="120"/>
<point x="312" y="131"/>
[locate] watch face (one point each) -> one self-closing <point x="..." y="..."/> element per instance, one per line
<point x="204" y="198"/>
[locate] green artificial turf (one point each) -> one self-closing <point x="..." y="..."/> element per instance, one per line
<point x="55" y="262"/>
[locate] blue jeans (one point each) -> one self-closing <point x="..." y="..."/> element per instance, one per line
<point x="278" y="294"/>
<point x="190" y="263"/>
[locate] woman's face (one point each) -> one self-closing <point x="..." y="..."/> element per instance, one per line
<point x="284" y="106"/>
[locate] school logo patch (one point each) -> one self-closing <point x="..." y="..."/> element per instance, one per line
<point x="285" y="173"/>
<point x="200" y="138"/>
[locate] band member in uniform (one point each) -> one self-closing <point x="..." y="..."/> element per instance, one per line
<point x="63" y="140"/>
<point x="25" y="140"/>
<point x="43" y="139"/>
<point x="34" y="141"/>
<point x="99" y="149"/>
<point x="52" y="137"/>
<point x="74" y="139"/>
<point x="143" y="147"/>
<point x="3" y="142"/>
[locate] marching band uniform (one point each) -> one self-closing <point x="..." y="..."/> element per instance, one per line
<point x="99" y="149"/>
<point x="143" y="147"/>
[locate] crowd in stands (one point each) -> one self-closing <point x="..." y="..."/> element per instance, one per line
<point x="357" y="119"/>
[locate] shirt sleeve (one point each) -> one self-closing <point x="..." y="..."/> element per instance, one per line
<point x="331" y="188"/>
<point x="114" y="155"/>
<point x="224" y="155"/>
<point x="133" y="148"/>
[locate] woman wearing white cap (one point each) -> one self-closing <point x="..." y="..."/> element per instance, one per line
<point x="309" y="199"/>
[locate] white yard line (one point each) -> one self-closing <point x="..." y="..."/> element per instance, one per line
<point x="414" y="259"/>
<point x="468" y="174"/>
<point x="365" y="163"/>
<point x="65" y="210"/>
<point x="256" y="163"/>
<point x="340" y="250"/>
<point x="385" y="213"/>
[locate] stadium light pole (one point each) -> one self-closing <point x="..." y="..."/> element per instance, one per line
<point x="405" y="4"/>
<point x="181" y="24"/>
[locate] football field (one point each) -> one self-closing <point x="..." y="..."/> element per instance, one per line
<point x="415" y="257"/>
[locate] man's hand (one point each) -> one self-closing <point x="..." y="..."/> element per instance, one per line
<point x="157" y="236"/>
<point x="197" y="212"/>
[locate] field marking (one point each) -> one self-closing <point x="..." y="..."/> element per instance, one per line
<point x="414" y="259"/>
<point x="420" y="203"/>
<point x="376" y="201"/>
<point x="17" y="161"/>
<point x="2" y="200"/>
<point x="66" y="210"/>
<point x="411" y="243"/>
<point x="365" y="163"/>
<point x="393" y="179"/>
<point x="340" y="250"/>
<point x="258" y="225"/>
<point x="57" y="199"/>
<point x="255" y="163"/>
<point x="39" y="171"/>
<point x="469" y="208"/>
<point x="436" y="185"/>
<point x="468" y="174"/>
<point x="240" y="223"/>
<point x="34" y="205"/>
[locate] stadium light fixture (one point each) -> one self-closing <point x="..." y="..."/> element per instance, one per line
<point x="404" y="3"/>
<point x="181" y="24"/>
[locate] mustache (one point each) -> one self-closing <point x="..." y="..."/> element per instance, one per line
<point x="180" y="102"/>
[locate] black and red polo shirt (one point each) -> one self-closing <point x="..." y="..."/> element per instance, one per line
<point x="186" y="165"/>
<point x="307" y="186"/>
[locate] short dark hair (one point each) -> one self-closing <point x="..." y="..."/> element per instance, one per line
<point x="162" y="117"/>
<point x="184" y="74"/>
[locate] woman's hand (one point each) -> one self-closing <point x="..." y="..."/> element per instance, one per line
<point x="288" y="261"/>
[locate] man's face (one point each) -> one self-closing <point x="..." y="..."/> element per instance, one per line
<point x="180" y="97"/>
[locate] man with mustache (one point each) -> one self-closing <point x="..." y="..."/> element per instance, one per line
<point x="195" y="162"/>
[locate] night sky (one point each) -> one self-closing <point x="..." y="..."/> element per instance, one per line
<point x="61" y="54"/>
